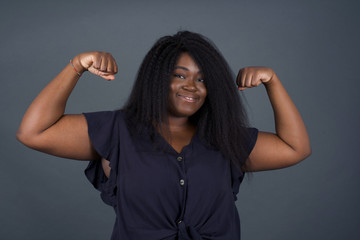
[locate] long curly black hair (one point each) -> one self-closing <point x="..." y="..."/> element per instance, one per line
<point x="221" y="122"/>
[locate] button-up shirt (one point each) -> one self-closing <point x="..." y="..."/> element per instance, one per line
<point x="158" y="193"/>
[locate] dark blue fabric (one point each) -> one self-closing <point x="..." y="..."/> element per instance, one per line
<point x="156" y="194"/>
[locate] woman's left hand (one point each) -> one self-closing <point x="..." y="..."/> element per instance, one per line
<point x="253" y="76"/>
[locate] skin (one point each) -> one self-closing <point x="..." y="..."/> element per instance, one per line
<point x="290" y="144"/>
<point x="187" y="93"/>
<point x="46" y="128"/>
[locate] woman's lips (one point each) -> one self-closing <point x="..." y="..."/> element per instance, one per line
<point x="188" y="98"/>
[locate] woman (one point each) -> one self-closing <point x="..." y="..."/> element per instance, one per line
<point x="171" y="161"/>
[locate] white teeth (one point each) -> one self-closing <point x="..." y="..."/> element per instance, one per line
<point x="189" y="98"/>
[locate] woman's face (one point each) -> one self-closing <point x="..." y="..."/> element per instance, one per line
<point x="187" y="91"/>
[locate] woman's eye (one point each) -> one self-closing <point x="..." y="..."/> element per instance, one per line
<point x="201" y="80"/>
<point x="179" y="76"/>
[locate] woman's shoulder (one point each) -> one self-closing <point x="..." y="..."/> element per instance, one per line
<point x="105" y="115"/>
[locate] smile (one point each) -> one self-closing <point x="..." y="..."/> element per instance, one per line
<point x="188" y="99"/>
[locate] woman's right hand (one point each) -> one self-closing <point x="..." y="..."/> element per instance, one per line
<point x="101" y="64"/>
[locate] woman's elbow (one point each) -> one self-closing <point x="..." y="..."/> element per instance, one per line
<point x="25" y="138"/>
<point x="304" y="153"/>
<point x="307" y="152"/>
<point x="21" y="137"/>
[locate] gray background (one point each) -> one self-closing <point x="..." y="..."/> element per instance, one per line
<point x="312" y="45"/>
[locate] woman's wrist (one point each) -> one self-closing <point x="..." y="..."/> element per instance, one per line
<point x="274" y="80"/>
<point x="77" y="65"/>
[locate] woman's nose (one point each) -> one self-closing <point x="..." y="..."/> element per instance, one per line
<point x="190" y="85"/>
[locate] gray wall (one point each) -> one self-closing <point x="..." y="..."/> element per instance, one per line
<point x="312" y="45"/>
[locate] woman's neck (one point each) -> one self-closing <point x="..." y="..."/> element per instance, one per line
<point x="178" y="124"/>
<point x="180" y="132"/>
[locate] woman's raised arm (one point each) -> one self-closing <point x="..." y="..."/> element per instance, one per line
<point x="291" y="142"/>
<point x="44" y="126"/>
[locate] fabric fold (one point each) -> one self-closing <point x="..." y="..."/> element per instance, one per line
<point x="188" y="232"/>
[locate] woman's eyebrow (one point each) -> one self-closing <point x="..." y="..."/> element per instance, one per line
<point x="180" y="67"/>
<point x="184" y="68"/>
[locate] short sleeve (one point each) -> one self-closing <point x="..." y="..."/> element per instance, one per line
<point x="236" y="174"/>
<point x="251" y="139"/>
<point x="103" y="130"/>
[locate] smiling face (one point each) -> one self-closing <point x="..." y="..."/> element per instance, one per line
<point x="187" y="92"/>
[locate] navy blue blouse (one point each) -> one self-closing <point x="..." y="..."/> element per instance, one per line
<point x="163" y="194"/>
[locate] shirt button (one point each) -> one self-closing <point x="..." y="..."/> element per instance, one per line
<point x="179" y="159"/>
<point x="182" y="182"/>
<point x="179" y="222"/>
